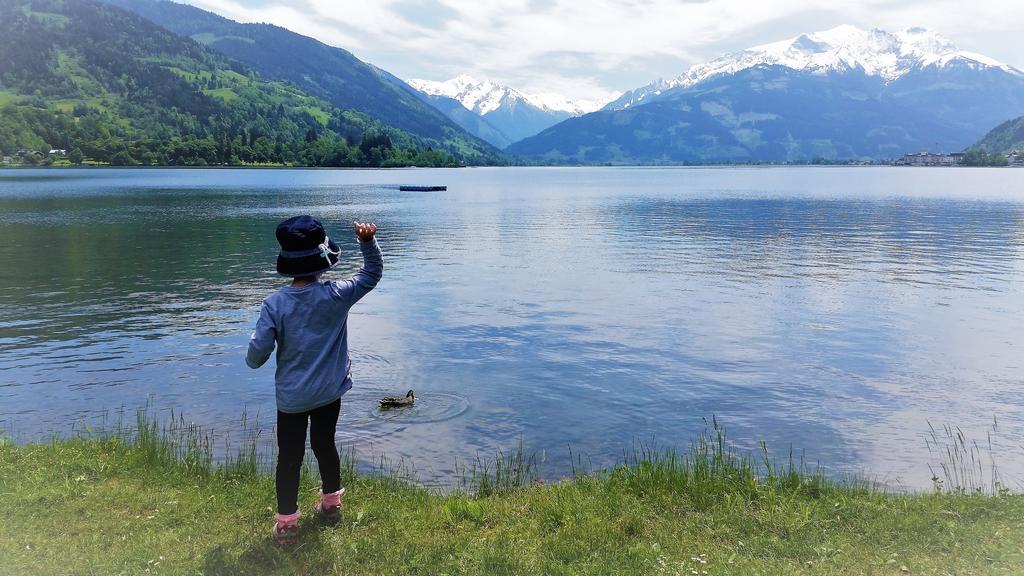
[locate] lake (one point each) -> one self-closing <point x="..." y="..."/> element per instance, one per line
<point x="832" y="311"/>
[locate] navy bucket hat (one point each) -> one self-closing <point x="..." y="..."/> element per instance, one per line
<point x="305" y="248"/>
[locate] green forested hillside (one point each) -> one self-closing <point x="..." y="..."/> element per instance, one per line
<point x="110" y="86"/>
<point x="327" y="72"/>
<point x="1007" y="137"/>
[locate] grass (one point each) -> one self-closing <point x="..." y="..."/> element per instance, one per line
<point x="70" y="65"/>
<point x="225" y="94"/>
<point x="68" y="105"/>
<point x="7" y="98"/>
<point x="321" y="115"/>
<point x="965" y="465"/>
<point x="152" y="499"/>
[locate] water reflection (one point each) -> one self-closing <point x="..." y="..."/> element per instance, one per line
<point x="832" y="310"/>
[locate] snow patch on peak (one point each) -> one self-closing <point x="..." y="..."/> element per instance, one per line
<point x="844" y="48"/>
<point x="476" y="95"/>
<point x="841" y="49"/>
<point x="924" y="41"/>
<point x="552" y="102"/>
<point x="635" y="97"/>
<point x="483" y="96"/>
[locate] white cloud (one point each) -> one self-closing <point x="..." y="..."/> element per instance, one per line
<point x="591" y="48"/>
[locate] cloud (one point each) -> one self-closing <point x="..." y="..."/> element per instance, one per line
<point x="593" y="48"/>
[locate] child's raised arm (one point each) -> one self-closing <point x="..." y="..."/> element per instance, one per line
<point x="351" y="290"/>
<point x="261" y="344"/>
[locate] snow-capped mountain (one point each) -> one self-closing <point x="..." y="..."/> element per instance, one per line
<point x="639" y="95"/>
<point x="558" y="103"/>
<point x="844" y="93"/>
<point x="484" y="96"/>
<point x="515" y="114"/>
<point x="876" y="53"/>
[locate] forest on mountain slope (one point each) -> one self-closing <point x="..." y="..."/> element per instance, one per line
<point x="332" y="74"/>
<point x="108" y="86"/>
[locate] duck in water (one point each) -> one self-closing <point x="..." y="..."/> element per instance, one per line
<point x="398" y="402"/>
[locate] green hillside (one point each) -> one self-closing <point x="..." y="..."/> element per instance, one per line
<point x="329" y="73"/>
<point x="110" y="86"/>
<point x="1007" y="137"/>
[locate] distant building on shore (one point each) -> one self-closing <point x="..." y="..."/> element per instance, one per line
<point x="930" y="159"/>
<point x="1015" y="158"/>
<point x="5" y="160"/>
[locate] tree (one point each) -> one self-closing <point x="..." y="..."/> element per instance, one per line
<point x="980" y="157"/>
<point x="123" y="158"/>
<point x="373" y="140"/>
<point x="76" y="156"/>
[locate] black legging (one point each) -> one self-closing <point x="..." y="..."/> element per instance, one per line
<point x="291" y="447"/>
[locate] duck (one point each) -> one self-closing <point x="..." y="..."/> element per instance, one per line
<point x="397" y="402"/>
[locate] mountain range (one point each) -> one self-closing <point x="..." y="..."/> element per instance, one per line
<point x="154" y="81"/>
<point x="508" y="114"/>
<point x="843" y="93"/>
<point x="839" y="50"/>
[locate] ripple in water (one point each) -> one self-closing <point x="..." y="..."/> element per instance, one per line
<point x="361" y="409"/>
<point x="429" y="407"/>
<point x="363" y="422"/>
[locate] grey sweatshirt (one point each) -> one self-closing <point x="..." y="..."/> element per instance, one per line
<point x="310" y="327"/>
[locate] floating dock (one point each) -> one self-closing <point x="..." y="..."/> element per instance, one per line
<point x="423" y="188"/>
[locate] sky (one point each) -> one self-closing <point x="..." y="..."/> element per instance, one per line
<point x="595" y="49"/>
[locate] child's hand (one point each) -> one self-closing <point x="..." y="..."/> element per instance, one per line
<point x="365" y="232"/>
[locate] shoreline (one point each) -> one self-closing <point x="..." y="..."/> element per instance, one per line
<point x="151" y="500"/>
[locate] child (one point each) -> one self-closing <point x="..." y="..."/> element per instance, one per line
<point x="309" y="323"/>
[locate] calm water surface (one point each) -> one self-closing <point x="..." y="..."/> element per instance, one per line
<point x="837" y="311"/>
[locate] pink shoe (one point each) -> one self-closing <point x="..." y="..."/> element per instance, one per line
<point x="285" y="534"/>
<point x="286" y="529"/>
<point x="329" y="506"/>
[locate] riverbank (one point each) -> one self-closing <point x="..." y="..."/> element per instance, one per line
<point x="147" y="503"/>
